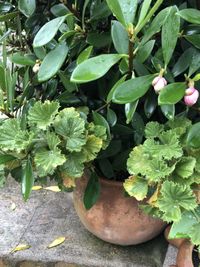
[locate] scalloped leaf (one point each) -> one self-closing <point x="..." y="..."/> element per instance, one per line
<point x="100" y="132"/>
<point x="12" y="137"/>
<point x="74" y="165"/>
<point x="153" y="129"/>
<point x="136" y="187"/>
<point x="92" y="147"/>
<point x="185" y="167"/>
<point x="47" y="161"/>
<point x="195" y="234"/>
<point x="138" y="161"/>
<point x="43" y="114"/>
<point x="71" y="127"/>
<point x="173" y="198"/>
<point x="168" y="148"/>
<point x="52" y="140"/>
<point x="182" y="228"/>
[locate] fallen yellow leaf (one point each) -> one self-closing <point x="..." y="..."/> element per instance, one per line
<point x="13" y="206"/>
<point x="53" y="188"/>
<point x="36" y="187"/>
<point x="20" y="247"/>
<point x="56" y="242"/>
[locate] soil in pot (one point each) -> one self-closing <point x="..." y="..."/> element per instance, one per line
<point x="115" y="218"/>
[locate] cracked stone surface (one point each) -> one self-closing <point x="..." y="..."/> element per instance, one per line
<point x="48" y="215"/>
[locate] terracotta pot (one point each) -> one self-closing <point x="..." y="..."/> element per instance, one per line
<point x="185" y="249"/>
<point x="184" y="257"/>
<point x="115" y="218"/>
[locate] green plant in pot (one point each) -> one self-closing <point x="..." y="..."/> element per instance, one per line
<point x="135" y="66"/>
<point x="50" y="143"/>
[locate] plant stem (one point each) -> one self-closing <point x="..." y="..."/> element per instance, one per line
<point x="130" y="61"/>
<point x="139" y="27"/>
<point x="73" y="11"/>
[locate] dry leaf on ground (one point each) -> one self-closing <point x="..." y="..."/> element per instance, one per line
<point x="20" y="247"/>
<point x="36" y="187"/>
<point x="57" y="242"/>
<point x="13" y="206"/>
<point x="53" y="188"/>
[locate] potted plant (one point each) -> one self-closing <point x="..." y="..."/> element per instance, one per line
<point x="135" y="66"/>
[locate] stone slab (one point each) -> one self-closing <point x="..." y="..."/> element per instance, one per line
<point x="48" y="215"/>
<point x="170" y="258"/>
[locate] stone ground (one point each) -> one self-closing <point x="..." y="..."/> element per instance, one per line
<point x="48" y="215"/>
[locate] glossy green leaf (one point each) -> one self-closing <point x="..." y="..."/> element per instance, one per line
<point x="5" y="7"/>
<point x="145" y="51"/>
<point x="193" y="136"/>
<point x="59" y="10"/>
<point x="130" y="109"/>
<point x="52" y="62"/>
<point x="150" y="104"/>
<point x="120" y="37"/>
<point x="191" y="15"/>
<point x="94" y="68"/>
<point x="144" y="10"/>
<point x="84" y="55"/>
<point x="170" y="32"/>
<point x="26" y="60"/>
<point x="27" y="180"/>
<point x="123" y="10"/>
<point x="183" y="62"/>
<point x="194" y="39"/>
<point x="27" y="7"/>
<point x="156" y="25"/>
<point x="132" y="90"/>
<point x="172" y="94"/>
<point x="100" y="120"/>
<point x="111" y="117"/>
<point x="92" y="191"/>
<point x="168" y="111"/>
<point x="110" y="94"/>
<point x="106" y="168"/>
<point x="48" y="31"/>
<point x="195" y="62"/>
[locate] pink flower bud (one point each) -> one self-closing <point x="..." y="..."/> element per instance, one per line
<point x="159" y="83"/>
<point x="191" y="96"/>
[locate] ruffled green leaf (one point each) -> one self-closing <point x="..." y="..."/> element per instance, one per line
<point x="92" y="147"/>
<point x="138" y="162"/>
<point x="153" y="129"/>
<point x="43" y="114"/>
<point x="179" y="125"/>
<point x="12" y="137"/>
<point x="52" y="140"/>
<point x="182" y="228"/>
<point x="100" y="132"/>
<point x="136" y="187"/>
<point x="47" y="161"/>
<point x="173" y="198"/>
<point x="195" y="234"/>
<point x="71" y="127"/>
<point x="168" y="147"/>
<point x="185" y="167"/>
<point x="159" y="170"/>
<point x="74" y="165"/>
